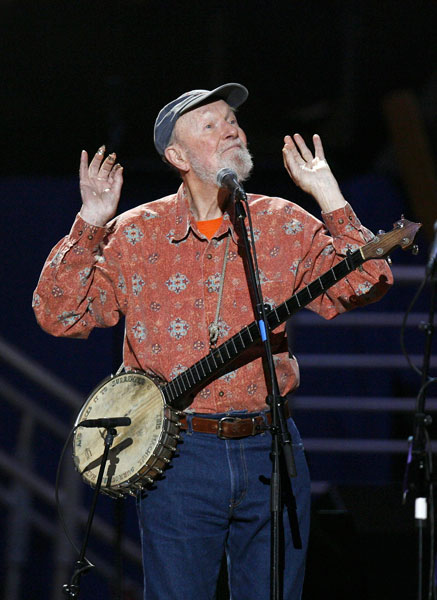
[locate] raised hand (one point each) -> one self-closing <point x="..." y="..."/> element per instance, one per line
<point x="312" y="173"/>
<point x="100" y="187"/>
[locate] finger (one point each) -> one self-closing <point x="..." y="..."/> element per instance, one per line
<point x="292" y="159"/>
<point x="113" y="172"/>
<point x="96" y="162"/>
<point x="115" y="183"/>
<point x="288" y="141"/>
<point x="318" y="147"/>
<point x="118" y="181"/>
<point x="303" y="148"/>
<point x="284" y="158"/>
<point x="106" y="167"/>
<point x="83" y="168"/>
<point x="291" y="153"/>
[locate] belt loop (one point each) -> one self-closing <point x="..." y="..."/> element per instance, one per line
<point x="266" y="423"/>
<point x="265" y="414"/>
<point x="189" y="421"/>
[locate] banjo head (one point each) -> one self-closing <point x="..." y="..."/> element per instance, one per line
<point x="141" y="450"/>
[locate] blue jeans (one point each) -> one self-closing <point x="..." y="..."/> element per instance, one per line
<point x="215" y="498"/>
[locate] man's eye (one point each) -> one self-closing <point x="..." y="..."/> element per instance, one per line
<point x="208" y="126"/>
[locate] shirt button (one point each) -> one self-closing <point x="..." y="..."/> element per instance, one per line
<point x="209" y="256"/>
<point x="221" y="393"/>
<point x="80" y="232"/>
<point x="90" y="237"/>
<point x="341" y="221"/>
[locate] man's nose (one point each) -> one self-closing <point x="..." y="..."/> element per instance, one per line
<point x="230" y="130"/>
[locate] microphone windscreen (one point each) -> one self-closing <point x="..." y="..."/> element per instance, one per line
<point x="225" y="174"/>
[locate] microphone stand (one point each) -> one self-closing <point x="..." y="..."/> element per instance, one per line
<point x="418" y="471"/>
<point x="83" y="565"/>
<point x="281" y="438"/>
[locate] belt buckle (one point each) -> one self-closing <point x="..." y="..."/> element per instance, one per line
<point x="220" y="426"/>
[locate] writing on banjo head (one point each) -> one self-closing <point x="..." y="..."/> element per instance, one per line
<point x="106" y="422"/>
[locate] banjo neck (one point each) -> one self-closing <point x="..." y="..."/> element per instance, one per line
<point x="179" y="392"/>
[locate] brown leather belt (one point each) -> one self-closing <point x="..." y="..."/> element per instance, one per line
<point x="231" y="427"/>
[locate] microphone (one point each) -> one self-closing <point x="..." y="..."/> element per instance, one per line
<point x="227" y="178"/>
<point x="432" y="253"/>
<point x="108" y="423"/>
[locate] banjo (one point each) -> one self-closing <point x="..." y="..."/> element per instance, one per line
<point x="142" y="451"/>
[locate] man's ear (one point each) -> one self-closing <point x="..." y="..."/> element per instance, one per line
<point x="176" y="157"/>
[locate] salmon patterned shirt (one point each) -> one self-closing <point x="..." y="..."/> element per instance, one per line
<point x="153" y="266"/>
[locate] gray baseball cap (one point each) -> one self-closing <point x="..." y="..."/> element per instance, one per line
<point x="232" y="93"/>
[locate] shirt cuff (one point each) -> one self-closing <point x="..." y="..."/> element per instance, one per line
<point x="337" y="221"/>
<point x="86" y="233"/>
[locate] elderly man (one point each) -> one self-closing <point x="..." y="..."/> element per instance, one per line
<point x="175" y="269"/>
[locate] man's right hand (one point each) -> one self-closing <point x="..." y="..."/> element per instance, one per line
<point x="100" y="187"/>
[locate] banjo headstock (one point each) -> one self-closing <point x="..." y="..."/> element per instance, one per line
<point x="402" y="234"/>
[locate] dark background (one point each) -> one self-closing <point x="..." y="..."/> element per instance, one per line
<point x="79" y="74"/>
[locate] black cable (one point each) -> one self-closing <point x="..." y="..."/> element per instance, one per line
<point x="404" y="324"/>
<point x="425" y="385"/>
<point x="58" y="503"/>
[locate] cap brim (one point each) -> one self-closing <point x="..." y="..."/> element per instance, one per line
<point x="232" y="93"/>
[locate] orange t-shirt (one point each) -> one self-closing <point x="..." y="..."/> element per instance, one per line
<point x="209" y="227"/>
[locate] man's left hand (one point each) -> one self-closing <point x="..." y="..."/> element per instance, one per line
<point x="312" y="173"/>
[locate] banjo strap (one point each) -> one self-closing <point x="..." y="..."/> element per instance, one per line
<point x="213" y="327"/>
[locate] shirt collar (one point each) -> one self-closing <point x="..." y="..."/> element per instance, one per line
<point x="186" y="223"/>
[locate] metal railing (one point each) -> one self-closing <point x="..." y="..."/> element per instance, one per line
<point x="27" y="487"/>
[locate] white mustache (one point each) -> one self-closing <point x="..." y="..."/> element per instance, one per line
<point x="238" y="146"/>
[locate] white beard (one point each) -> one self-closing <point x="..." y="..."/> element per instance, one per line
<point x="240" y="161"/>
